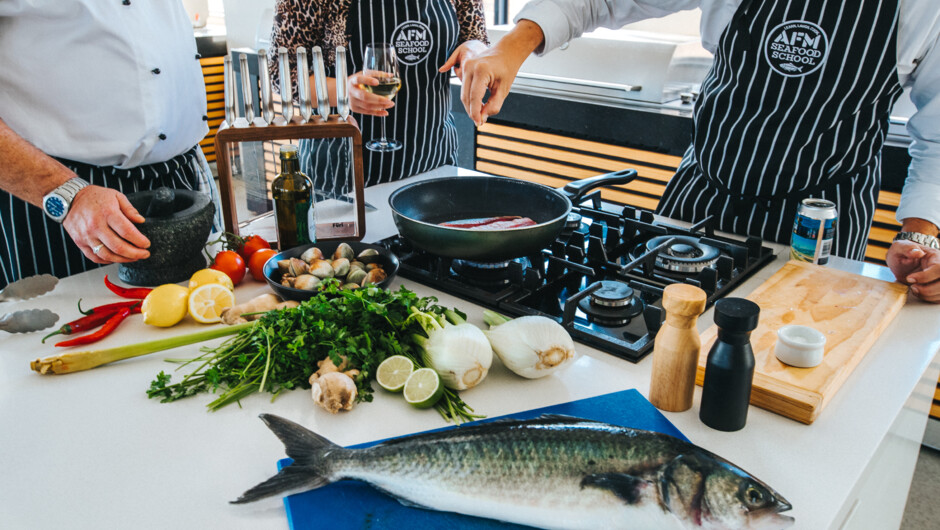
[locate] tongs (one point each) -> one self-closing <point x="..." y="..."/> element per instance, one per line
<point x="28" y="319"/>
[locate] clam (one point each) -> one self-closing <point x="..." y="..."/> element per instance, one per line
<point x="321" y="268"/>
<point x="307" y="282"/>
<point x="287" y="281"/>
<point x="283" y="265"/>
<point x="356" y="276"/>
<point x="340" y="267"/>
<point x="296" y="267"/>
<point x="344" y="251"/>
<point x="350" y="286"/>
<point x="370" y="266"/>
<point x="374" y="276"/>
<point x="312" y="253"/>
<point x="369" y="255"/>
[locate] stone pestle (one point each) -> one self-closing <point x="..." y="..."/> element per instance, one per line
<point x="161" y="204"/>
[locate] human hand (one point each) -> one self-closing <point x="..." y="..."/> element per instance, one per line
<point x="104" y="216"/>
<point x="361" y="100"/>
<point x="464" y="52"/>
<point x="917" y="266"/>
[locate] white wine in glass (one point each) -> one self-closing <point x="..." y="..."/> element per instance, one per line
<point x="381" y="62"/>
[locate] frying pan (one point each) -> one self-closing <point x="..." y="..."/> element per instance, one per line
<point x="420" y="207"/>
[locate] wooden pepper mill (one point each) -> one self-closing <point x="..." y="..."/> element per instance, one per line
<point x="676" y="350"/>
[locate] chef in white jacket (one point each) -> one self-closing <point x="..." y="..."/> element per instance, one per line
<point x="796" y="105"/>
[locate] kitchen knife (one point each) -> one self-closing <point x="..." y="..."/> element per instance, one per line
<point x="267" y="105"/>
<point x="303" y="85"/>
<point x="29" y="287"/>
<point x="228" y="81"/>
<point x="319" y="76"/>
<point x="287" y="91"/>
<point x="27" y="320"/>
<point x="342" y="93"/>
<point x="247" y="108"/>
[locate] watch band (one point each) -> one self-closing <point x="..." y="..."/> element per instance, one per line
<point x="920" y="239"/>
<point x="56" y="203"/>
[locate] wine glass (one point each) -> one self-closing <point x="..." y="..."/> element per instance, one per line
<point x="381" y="62"/>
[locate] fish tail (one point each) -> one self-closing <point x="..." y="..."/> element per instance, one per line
<point x="309" y="470"/>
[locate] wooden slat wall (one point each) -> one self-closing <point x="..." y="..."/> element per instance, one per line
<point x="554" y="159"/>
<point x="212" y="73"/>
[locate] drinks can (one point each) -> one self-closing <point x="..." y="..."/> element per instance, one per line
<point x="813" y="230"/>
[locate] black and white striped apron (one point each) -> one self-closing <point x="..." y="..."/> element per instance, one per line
<point x="35" y="244"/>
<point x="796" y="105"/>
<point x="425" y="33"/>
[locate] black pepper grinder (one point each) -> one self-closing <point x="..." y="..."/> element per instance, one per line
<point x="729" y="370"/>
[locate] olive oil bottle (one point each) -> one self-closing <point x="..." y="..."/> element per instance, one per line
<point x="293" y="203"/>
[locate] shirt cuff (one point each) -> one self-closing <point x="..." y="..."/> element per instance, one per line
<point x="553" y="21"/>
<point x="920" y="200"/>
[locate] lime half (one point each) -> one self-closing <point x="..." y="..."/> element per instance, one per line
<point x="423" y="388"/>
<point x="393" y="372"/>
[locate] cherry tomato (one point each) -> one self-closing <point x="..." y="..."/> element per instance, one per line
<point x="257" y="261"/>
<point x="229" y="262"/>
<point x="252" y="244"/>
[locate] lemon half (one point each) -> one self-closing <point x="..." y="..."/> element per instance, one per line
<point x="206" y="302"/>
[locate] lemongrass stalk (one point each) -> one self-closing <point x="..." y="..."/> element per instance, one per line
<point x="67" y="363"/>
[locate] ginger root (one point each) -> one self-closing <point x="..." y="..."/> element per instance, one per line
<point x="332" y="388"/>
<point x="239" y="314"/>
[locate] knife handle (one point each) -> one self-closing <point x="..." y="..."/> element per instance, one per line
<point x="303" y="85"/>
<point x="287" y="91"/>
<point x="342" y="92"/>
<point x="228" y="80"/>
<point x="267" y="105"/>
<point x="249" y="111"/>
<point x="323" y="94"/>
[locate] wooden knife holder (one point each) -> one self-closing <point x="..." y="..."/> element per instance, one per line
<point x="334" y="127"/>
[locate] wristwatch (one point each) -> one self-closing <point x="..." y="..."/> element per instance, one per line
<point x="920" y="239"/>
<point x="56" y="203"/>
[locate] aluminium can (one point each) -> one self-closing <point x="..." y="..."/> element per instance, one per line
<point x="813" y="231"/>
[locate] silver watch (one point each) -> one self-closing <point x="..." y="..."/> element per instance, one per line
<point x="920" y="239"/>
<point x="56" y="203"/>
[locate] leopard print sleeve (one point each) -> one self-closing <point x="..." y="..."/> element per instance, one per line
<point x="306" y="23"/>
<point x="472" y="22"/>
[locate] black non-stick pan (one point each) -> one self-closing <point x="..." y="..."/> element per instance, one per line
<point x="420" y="207"/>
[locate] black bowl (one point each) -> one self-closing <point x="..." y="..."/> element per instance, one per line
<point x="271" y="273"/>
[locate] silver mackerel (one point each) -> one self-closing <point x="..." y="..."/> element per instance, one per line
<point x="550" y="472"/>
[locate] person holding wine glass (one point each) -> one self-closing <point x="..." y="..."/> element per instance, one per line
<point x="399" y="90"/>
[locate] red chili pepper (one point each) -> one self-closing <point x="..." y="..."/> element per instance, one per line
<point x="105" y="330"/>
<point x="127" y="292"/>
<point x="107" y="308"/>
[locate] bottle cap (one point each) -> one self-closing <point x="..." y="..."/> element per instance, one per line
<point x="736" y="314"/>
<point x="288" y="151"/>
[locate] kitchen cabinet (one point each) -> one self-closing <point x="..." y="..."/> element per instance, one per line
<point x="89" y="450"/>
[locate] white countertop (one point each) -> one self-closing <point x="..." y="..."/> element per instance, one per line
<point x="90" y="450"/>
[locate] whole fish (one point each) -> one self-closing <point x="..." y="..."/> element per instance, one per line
<point x="549" y="472"/>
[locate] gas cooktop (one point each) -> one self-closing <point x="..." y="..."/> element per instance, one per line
<point x="603" y="276"/>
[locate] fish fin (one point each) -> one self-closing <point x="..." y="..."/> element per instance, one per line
<point x="308" y="450"/>
<point x="304" y="446"/>
<point x="626" y="487"/>
<point x="290" y="479"/>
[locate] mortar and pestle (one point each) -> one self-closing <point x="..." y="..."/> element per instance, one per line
<point x="177" y="222"/>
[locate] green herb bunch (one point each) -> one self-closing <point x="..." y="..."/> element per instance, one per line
<point x="282" y="349"/>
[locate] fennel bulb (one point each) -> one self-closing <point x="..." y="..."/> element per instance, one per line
<point x="458" y="351"/>
<point x="531" y="346"/>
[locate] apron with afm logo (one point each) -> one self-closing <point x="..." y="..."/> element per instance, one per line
<point x="796" y="105"/>
<point x="424" y="33"/>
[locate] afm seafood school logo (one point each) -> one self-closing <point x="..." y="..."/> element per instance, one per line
<point x="796" y="48"/>
<point x="413" y="41"/>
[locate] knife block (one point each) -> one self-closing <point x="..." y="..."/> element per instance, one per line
<point x="334" y="127"/>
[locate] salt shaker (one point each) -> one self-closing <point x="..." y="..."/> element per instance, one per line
<point x="729" y="370"/>
<point x="676" y="349"/>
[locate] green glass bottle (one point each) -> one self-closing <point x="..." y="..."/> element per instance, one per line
<point x="293" y="204"/>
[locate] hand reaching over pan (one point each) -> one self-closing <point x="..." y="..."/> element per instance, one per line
<point x="101" y="222"/>
<point x="917" y="266"/>
<point x="362" y="100"/>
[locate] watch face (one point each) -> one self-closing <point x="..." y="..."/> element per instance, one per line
<point x="55" y="206"/>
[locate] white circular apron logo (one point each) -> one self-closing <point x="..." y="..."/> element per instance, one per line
<point x="796" y="48"/>
<point x="413" y="42"/>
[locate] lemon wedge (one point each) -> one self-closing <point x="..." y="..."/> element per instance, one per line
<point x="204" y="276"/>
<point x="206" y="302"/>
<point x="165" y="306"/>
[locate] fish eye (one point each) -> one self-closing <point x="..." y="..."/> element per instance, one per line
<point x="753" y="496"/>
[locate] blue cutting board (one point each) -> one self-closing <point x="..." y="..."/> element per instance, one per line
<point x="352" y="504"/>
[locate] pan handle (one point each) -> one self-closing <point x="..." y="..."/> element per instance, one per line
<point x="577" y="189"/>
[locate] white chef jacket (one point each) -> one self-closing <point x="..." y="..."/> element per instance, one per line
<point x="918" y="68"/>
<point x="104" y="82"/>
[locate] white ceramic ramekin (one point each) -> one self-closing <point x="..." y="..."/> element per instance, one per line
<point x="800" y="346"/>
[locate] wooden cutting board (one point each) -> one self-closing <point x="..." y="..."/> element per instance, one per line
<point x="850" y="310"/>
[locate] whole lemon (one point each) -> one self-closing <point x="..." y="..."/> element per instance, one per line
<point x="166" y="305"/>
<point x="204" y="276"/>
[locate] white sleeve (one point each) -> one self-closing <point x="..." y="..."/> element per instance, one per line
<point x="563" y="20"/>
<point x="921" y="195"/>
